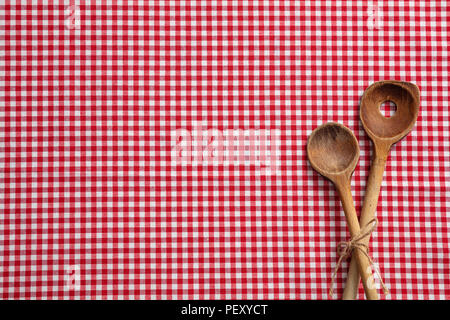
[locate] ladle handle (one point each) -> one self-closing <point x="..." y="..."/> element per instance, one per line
<point x="362" y="262"/>
<point x="367" y="214"/>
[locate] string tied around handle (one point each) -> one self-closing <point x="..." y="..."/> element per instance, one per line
<point x="345" y="248"/>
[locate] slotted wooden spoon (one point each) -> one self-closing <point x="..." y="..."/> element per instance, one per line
<point x="384" y="132"/>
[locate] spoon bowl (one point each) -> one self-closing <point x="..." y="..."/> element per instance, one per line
<point x="404" y="95"/>
<point x="332" y="150"/>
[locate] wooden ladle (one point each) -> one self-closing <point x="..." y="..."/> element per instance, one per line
<point x="383" y="132"/>
<point x="333" y="152"/>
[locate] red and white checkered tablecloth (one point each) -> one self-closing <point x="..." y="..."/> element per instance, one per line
<point x="94" y="205"/>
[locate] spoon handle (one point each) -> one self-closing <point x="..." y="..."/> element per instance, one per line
<point x="362" y="262"/>
<point x="367" y="214"/>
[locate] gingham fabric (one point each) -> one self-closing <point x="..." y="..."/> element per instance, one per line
<point x="93" y="205"/>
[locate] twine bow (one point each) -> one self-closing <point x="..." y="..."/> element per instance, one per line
<point x="344" y="250"/>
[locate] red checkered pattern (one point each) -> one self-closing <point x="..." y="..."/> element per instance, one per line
<point x="93" y="205"/>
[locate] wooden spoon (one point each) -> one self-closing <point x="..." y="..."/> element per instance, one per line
<point x="383" y="132"/>
<point x="333" y="152"/>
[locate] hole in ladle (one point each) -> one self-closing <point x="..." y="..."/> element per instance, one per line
<point x="388" y="109"/>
